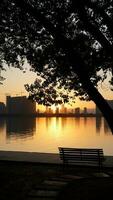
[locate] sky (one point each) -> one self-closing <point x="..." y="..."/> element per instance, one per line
<point x="15" y="80"/>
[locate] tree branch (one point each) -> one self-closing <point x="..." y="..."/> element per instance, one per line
<point x="99" y="10"/>
<point x="92" y="28"/>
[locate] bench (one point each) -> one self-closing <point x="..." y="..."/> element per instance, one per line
<point x="86" y="156"/>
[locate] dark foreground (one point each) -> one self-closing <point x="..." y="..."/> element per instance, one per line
<point x="18" y="179"/>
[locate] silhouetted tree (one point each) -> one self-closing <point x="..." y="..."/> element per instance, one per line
<point x="66" y="42"/>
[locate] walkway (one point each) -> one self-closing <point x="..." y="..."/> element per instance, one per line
<point x="34" y="157"/>
<point x="52" y="184"/>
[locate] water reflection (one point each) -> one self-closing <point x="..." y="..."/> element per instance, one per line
<point x="2" y="124"/>
<point x="106" y="128"/>
<point x="20" y="127"/>
<point x="48" y="121"/>
<point x="85" y="121"/>
<point x="101" y="122"/>
<point x="62" y="122"/>
<point x="98" y="124"/>
<point x="54" y="124"/>
<point x="47" y="134"/>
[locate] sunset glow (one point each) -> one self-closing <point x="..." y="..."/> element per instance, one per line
<point x="16" y="79"/>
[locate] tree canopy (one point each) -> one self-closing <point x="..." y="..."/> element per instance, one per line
<point x="66" y="42"/>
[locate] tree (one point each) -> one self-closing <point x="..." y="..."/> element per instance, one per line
<point x="65" y="42"/>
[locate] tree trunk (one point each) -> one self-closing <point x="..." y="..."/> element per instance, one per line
<point x="98" y="99"/>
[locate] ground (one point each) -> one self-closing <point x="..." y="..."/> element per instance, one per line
<point x="17" y="180"/>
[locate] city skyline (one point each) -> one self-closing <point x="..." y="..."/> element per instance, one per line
<point x="15" y="80"/>
<point x="21" y="105"/>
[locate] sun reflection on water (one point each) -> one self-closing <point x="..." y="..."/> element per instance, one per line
<point x="46" y="134"/>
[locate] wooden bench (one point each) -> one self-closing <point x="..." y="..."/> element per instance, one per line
<point x="86" y="156"/>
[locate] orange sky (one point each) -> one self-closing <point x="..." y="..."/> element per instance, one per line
<point x="15" y="80"/>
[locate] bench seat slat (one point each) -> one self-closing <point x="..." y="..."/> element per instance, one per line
<point x="83" y="157"/>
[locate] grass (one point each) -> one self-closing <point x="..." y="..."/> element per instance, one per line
<point x="17" y="179"/>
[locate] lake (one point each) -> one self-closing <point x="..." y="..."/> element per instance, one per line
<point x="46" y="134"/>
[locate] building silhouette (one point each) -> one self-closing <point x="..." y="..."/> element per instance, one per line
<point x="20" y="105"/>
<point x="85" y="111"/>
<point x="62" y="110"/>
<point x="57" y="110"/>
<point x="77" y="111"/>
<point x="65" y="110"/>
<point x="48" y="110"/>
<point x="2" y="108"/>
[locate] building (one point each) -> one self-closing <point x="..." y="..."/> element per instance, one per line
<point x="65" y="110"/>
<point x="85" y="111"/>
<point x="77" y="111"/>
<point x="62" y="110"/>
<point x="48" y="110"/>
<point x="57" y="110"/>
<point x="20" y="105"/>
<point x="2" y="108"/>
<point x="98" y="112"/>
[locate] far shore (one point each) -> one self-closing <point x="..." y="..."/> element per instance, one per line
<point x="52" y="115"/>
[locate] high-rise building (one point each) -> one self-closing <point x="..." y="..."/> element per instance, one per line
<point x="63" y="109"/>
<point x="2" y="108"/>
<point x="20" y="105"/>
<point x="57" y="110"/>
<point x="85" y="111"/>
<point x="48" y="110"/>
<point x="77" y="110"/>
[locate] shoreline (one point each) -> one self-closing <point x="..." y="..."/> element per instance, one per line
<point x="52" y="115"/>
<point x="38" y="157"/>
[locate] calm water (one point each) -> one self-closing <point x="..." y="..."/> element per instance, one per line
<point x="46" y="134"/>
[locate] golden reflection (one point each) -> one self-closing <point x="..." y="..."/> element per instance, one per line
<point x="50" y="133"/>
<point x="54" y="125"/>
<point x="98" y="124"/>
<point x="68" y="132"/>
<point x="106" y="127"/>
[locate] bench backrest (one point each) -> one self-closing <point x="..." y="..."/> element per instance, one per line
<point x="81" y="154"/>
